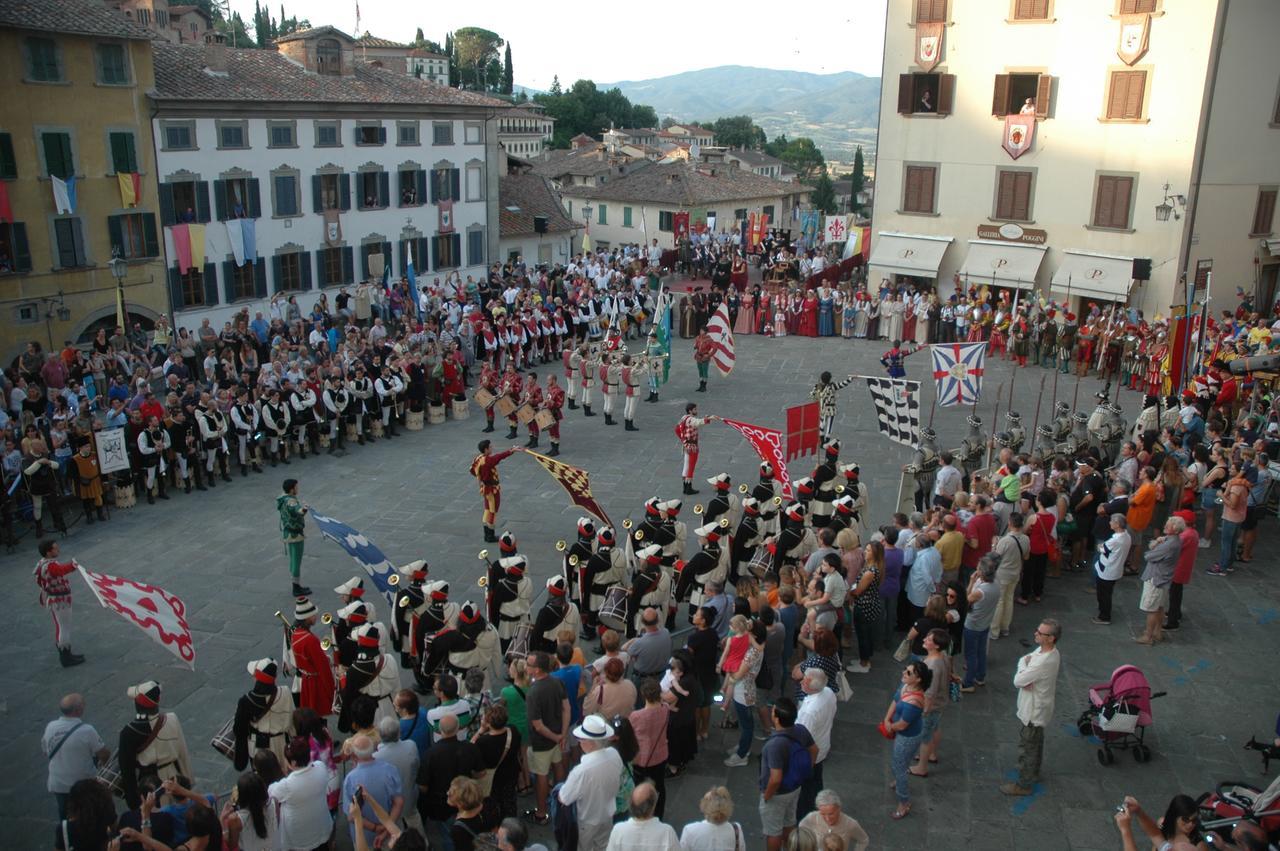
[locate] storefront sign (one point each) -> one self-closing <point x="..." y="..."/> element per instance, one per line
<point x="1010" y="232"/>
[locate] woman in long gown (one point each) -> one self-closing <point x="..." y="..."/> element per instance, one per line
<point x="781" y="315"/>
<point x="927" y="320"/>
<point x="908" y="316"/>
<point x="764" y="311"/>
<point x="794" y="306"/>
<point x="861" y="301"/>
<point x="687" y="318"/>
<point x="734" y="300"/>
<point x="826" y="312"/>
<point x="809" y="314"/>
<point x="847" y="311"/>
<point x="873" y="317"/>
<point x="886" y="316"/>
<point x="746" y="321"/>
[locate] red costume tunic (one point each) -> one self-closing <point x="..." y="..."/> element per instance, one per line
<point x="315" y="687"/>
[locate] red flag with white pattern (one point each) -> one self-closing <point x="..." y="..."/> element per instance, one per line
<point x="148" y="607"/>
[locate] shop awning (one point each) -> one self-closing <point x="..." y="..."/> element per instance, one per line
<point x="1002" y="264"/>
<point x="1273" y="247"/>
<point x="1092" y="275"/>
<point x="918" y="255"/>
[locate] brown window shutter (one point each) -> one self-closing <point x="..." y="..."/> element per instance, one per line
<point x="928" y="11"/>
<point x="1022" y="195"/>
<point x="926" y="190"/>
<point x="1044" y="95"/>
<point x="1137" y="90"/>
<point x="911" y="190"/>
<point x="946" y="93"/>
<point x="906" y="90"/>
<point x="1031" y="10"/>
<point x="1137" y="7"/>
<point x="1000" y="96"/>
<point x="1116" y="96"/>
<point x="1004" y="195"/>
<point x="1264" y="213"/>
<point x="1104" y="202"/>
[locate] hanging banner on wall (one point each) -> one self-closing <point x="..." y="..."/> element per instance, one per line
<point x="928" y="44"/>
<point x="1135" y="36"/>
<point x="1019" y="130"/>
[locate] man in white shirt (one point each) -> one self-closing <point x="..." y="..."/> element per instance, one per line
<point x="643" y="832"/>
<point x="817" y="714"/>
<point x="73" y="749"/>
<point x="404" y="756"/>
<point x="1037" y="683"/>
<point x="594" y="782"/>
<point x="947" y="482"/>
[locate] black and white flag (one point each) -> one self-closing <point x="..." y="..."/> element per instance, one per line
<point x="897" y="408"/>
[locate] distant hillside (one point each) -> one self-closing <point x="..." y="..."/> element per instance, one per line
<point x="838" y="111"/>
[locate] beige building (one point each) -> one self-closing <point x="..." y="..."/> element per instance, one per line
<point x="639" y="206"/>
<point x="525" y="131"/>
<point x="1156" y="127"/>
<point x="429" y="66"/>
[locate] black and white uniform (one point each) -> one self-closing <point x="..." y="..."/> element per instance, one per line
<point x="366" y="402"/>
<point x="154" y="447"/>
<point x="388" y="387"/>
<point x="276" y="417"/>
<point x="302" y="411"/>
<point x="213" y="433"/>
<point x="336" y="400"/>
<point x="245" y="419"/>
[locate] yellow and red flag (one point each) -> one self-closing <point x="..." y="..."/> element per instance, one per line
<point x="576" y="482"/>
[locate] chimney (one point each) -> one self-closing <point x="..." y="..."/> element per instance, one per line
<point x="215" y="53"/>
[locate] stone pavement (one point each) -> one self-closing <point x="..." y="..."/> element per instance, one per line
<point x="221" y="552"/>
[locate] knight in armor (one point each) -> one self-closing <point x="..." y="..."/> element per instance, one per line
<point x="1066" y="343"/>
<point x="1114" y="430"/>
<point x="1078" y="440"/>
<point x="1014" y="435"/>
<point x="824" y="484"/>
<point x="1046" y="448"/>
<point x="559" y="612"/>
<point x="264" y="716"/>
<point x="512" y="598"/>
<point x="972" y="450"/>
<point x="923" y="467"/>
<point x="1061" y="422"/>
<point x="151" y="744"/>
<point x="1098" y="422"/>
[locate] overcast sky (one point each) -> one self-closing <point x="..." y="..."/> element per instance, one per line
<point x="577" y="40"/>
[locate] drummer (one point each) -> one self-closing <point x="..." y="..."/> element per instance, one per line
<point x="532" y="401"/>
<point x="512" y="386"/>
<point x="490" y="378"/>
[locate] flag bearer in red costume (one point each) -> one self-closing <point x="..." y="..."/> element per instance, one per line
<point x="55" y="595"/>
<point x="485" y="468"/>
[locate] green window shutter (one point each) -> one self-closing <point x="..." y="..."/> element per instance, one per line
<point x="420" y="183"/>
<point x="57" y="154"/>
<point x="210" y="284"/>
<point x="8" y="162"/>
<point x="228" y="282"/>
<point x="384" y="188"/>
<point x="202" y="201"/>
<point x="260" y="278"/>
<point x="168" y="215"/>
<point x="364" y="262"/>
<point x="626" y="217"/>
<point x="277" y="273"/>
<point x="604" y="214"/>
<point x="322" y="254"/>
<point x="115" y="236"/>
<point x="344" y="192"/>
<point x="403" y="246"/>
<point x="120" y="152"/>
<point x="21" y="252"/>
<point x="149" y="236"/>
<point x="455" y="184"/>
<point x="317" y="202"/>
<point x="255" y="199"/>
<point x="348" y="265"/>
<point x="456" y="239"/>
<point x="304" y="263"/>
<point x="175" y="287"/>
<point x="220" y="200"/>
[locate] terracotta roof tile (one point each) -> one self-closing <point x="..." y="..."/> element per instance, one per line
<point x="75" y="17"/>
<point x="313" y="32"/>
<point x="683" y="184"/>
<point x="265" y="75"/>
<point x="368" y="40"/>
<point x="531" y="196"/>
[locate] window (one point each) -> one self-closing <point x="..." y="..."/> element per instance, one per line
<point x="1126" y="95"/>
<point x="281" y="134"/>
<point x="59" y="161"/>
<point x="446" y="251"/>
<point x="285" y="199"/>
<point x="133" y="235"/>
<point x="767" y="211"/>
<point x="371" y="249"/>
<point x="42" y="60"/>
<point x="1264" y="212"/>
<point x="289" y="270"/>
<point x="113" y="65"/>
<point x="1031" y="10"/>
<point x="243" y="280"/>
<point x="445" y="185"/>
<point x="1203" y="269"/>
<point x="931" y="11"/>
<point x="740" y="214"/>
<point x="327" y="135"/>
<point x="371" y="134"/>
<point x="1013" y="195"/>
<point x="8" y="162"/>
<point x="1113" y="196"/>
<point x="372" y="188"/>
<point x="919" y="188"/>
<point x="475" y="248"/>
<point x="1136" y="7"/>
<point x="406" y="132"/>
<point x="237" y="198"/>
<point x="179" y="135"/>
<point x="124" y="153"/>
<point x="183" y="201"/>
<point x="664" y="220"/>
<point x="329" y="57"/>
<point x="603" y="214"/>
<point x="144" y="16"/>
<point x="15" y="255"/>
<point x="926" y="94"/>
<point x="68" y="243"/>
<point x="442" y="132"/>
<point x="626" y="217"/>
<point x="412" y="186"/>
<point x="331" y="192"/>
<point x="475" y="183"/>
<point x="191" y="285"/>
<point x="1012" y="92"/>
<point x="233" y="135"/>
<point x="334" y="266"/>
<point x="473" y="133"/>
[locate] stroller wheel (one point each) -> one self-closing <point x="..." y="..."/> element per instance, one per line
<point x="1106" y="757"/>
<point x="1141" y="753"/>
<point x="1085" y="725"/>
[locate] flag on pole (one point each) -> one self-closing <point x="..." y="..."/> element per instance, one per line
<point x="767" y="442"/>
<point x="720" y="329"/>
<point x="957" y="370"/>
<point x="151" y="609"/>
<point x="803" y="430"/>
<point x="120" y="314"/>
<point x="412" y="279"/>
<point x="664" y="333"/>
<point x="386" y="276"/>
<point x="576" y="482"/>
<point x="897" y="402"/>
<point x="360" y="548"/>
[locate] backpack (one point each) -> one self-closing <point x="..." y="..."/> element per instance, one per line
<point x="799" y="765"/>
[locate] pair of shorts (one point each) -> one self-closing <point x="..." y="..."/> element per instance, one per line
<point x="540" y="762"/>
<point x="932" y="720"/>
<point x="1154" y="599"/>
<point x="1251" y="516"/>
<point x="710" y="688"/>
<point x="778" y="813"/>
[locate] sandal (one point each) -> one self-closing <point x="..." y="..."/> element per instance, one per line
<point x="900" y="813"/>
<point x="915" y="774"/>
<point x="675" y="770"/>
<point x="728" y="724"/>
<point x="532" y="815"/>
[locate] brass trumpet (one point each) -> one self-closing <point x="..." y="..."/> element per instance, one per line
<point x="284" y="620"/>
<point x="483" y="582"/>
<point x="627" y="524"/>
<point x="483" y="555"/>
<point x="573" y="561"/>
<point x="724" y="522"/>
<point x="839" y="488"/>
<point x="777" y="501"/>
<point x="403" y="602"/>
<point x="326" y="619"/>
<point x="561" y="546"/>
<point x="742" y="488"/>
<point x="326" y="645"/>
<point x="393" y="580"/>
<point x="698" y="509"/>
<point x="638" y="535"/>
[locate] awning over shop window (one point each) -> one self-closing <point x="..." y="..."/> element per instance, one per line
<point x="1002" y="264"/>
<point x="917" y="255"/>
<point x="1091" y="275"/>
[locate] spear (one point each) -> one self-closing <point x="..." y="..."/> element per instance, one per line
<point x="1039" y="399"/>
<point x="995" y="410"/>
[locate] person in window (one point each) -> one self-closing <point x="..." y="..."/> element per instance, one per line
<point x="926" y="102"/>
<point x="408" y="196"/>
<point x="1028" y="107"/>
<point x="187" y="216"/>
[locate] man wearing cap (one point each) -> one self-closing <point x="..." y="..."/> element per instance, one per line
<point x="55" y="595"/>
<point x="409" y="598"/>
<point x="512" y="598"/>
<point x="264" y="715"/>
<point x="703" y="567"/>
<point x="687" y="432"/>
<point x="559" y="612"/>
<point x="574" y="567"/>
<point x="824" y="484"/>
<point x="292" y="530"/>
<point x="313" y="686"/>
<point x="606" y="568"/>
<point x="594" y="782"/>
<point x="484" y="467"/>
<point x="152" y="743"/>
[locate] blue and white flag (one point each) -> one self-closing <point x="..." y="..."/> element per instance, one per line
<point x="362" y="550"/>
<point x="957" y="370"/>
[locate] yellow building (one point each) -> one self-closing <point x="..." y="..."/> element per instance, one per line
<point x="75" y="74"/>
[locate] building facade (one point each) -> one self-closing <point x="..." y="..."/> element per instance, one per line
<point x="305" y="170"/>
<point x="426" y="65"/>
<point x="526" y="131"/>
<point x="1100" y="132"/>
<point x="76" y="110"/>
<point x="533" y="224"/>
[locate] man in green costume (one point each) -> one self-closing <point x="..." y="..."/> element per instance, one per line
<point x="292" y="529"/>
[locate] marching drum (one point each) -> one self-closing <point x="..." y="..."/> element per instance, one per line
<point x="484" y="398"/>
<point x="413" y="420"/>
<point x="109" y="775"/>
<point x="351" y="431"/>
<point x="505" y="405"/>
<point x="525" y="414"/>
<point x="375" y="428"/>
<point x="461" y="410"/>
<point x="519" y="646"/>
<point x="435" y="414"/>
<point x="760" y="563"/>
<point x="126" y="496"/>
<point x="224" y="741"/>
<point x="613" y="612"/>
<point x="544" y="419"/>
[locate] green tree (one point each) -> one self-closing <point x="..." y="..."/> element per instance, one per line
<point x="824" y="194"/>
<point x="668" y="122"/>
<point x="799" y="153"/>
<point x="643" y="115"/>
<point x="555" y="89"/>
<point x="508" y="77"/>
<point x="476" y="49"/>
<point x="451" y="53"/>
<point x="261" y="25"/>
<point x="858" y="179"/>
<point x="583" y="108"/>
<point x="736" y="131"/>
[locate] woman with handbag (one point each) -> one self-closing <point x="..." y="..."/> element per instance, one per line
<point x="1042" y="542"/>
<point x="904" y="724"/>
<point x="500" y="745"/>
<point x="650" y="727"/>
<point x="740" y="687"/>
<point x="936" y="697"/>
<point x="868" y="607"/>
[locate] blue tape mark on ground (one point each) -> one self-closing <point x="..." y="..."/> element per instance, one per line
<point x="1265" y="616"/>
<point x="1171" y="662"/>
<point x="1022" y="805"/>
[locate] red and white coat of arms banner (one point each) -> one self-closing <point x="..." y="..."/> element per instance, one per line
<point x="928" y="44"/>
<point x="1019" y="130"/>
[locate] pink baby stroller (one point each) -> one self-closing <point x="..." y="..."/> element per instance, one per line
<point x="1119" y="713"/>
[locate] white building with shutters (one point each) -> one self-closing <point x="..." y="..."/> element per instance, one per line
<point x="1155" y="137"/>
<point x="281" y="143"/>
